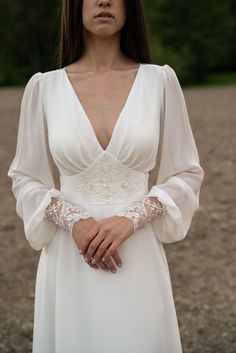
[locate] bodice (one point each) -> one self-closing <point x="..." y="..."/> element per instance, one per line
<point x="105" y="181"/>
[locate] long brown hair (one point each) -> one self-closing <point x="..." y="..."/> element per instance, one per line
<point x="133" y="40"/>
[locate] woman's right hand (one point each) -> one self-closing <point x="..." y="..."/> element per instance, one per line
<point x="80" y="230"/>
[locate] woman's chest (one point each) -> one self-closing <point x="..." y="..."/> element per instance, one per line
<point x="102" y="98"/>
<point x="133" y="139"/>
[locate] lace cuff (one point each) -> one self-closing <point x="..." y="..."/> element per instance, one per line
<point x="142" y="212"/>
<point x="64" y="214"/>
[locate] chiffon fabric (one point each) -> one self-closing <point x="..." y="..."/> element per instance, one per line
<point x="79" y="309"/>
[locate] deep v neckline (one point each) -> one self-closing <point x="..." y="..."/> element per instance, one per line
<point x="119" y="116"/>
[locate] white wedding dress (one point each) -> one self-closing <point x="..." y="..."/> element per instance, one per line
<point x="79" y="309"/>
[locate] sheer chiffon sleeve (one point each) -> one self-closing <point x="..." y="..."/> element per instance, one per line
<point x="180" y="175"/>
<point x="31" y="172"/>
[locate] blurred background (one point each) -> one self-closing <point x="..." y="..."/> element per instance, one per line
<point x="198" y="39"/>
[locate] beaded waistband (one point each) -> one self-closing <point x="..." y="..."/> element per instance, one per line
<point x="106" y="181"/>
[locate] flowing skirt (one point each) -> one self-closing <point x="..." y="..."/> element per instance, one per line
<point x="79" y="309"/>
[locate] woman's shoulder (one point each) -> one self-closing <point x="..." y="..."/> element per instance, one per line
<point x="42" y="80"/>
<point x="39" y="81"/>
<point x="44" y="76"/>
<point x="161" y="69"/>
<point x="165" y="72"/>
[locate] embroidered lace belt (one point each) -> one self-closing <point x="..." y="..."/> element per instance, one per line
<point x="107" y="181"/>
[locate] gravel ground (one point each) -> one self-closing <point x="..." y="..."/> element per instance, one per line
<point x="202" y="266"/>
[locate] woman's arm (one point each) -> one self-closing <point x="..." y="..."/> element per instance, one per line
<point x="177" y="188"/>
<point x="31" y="169"/>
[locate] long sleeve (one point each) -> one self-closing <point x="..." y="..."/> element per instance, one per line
<point x="180" y="175"/>
<point x="31" y="169"/>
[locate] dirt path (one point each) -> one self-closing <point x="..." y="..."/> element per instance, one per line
<point x="202" y="267"/>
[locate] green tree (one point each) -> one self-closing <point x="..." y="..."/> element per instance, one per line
<point x="193" y="36"/>
<point x="28" y="34"/>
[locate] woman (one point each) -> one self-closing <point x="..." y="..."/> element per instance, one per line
<point x="105" y="118"/>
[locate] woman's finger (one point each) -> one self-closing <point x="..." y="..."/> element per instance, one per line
<point x="111" y="251"/>
<point x="100" y="264"/>
<point x="101" y="251"/>
<point x="110" y="265"/>
<point x="103" y="266"/>
<point x="93" y="247"/>
<point x="87" y="238"/>
<point x="93" y="265"/>
<point x="117" y="258"/>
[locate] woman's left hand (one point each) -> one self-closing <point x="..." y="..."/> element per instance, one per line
<point x="105" y="236"/>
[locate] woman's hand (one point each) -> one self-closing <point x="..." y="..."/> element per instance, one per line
<point x="102" y="240"/>
<point x="79" y="233"/>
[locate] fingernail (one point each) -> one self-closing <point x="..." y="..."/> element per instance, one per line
<point x="80" y="251"/>
<point x="120" y="264"/>
<point x="93" y="261"/>
<point x="86" y="259"/>
<point x="103" y="259"/>
<point x="113" y="271"/>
